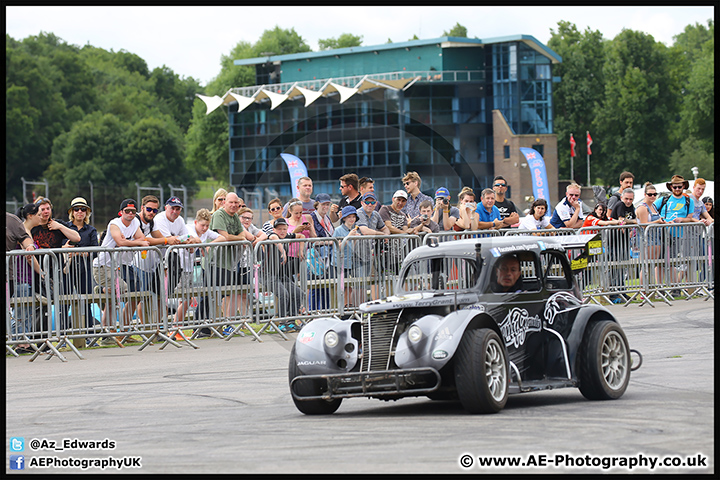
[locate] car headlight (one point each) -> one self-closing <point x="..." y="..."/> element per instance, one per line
<point x="331" y="339"/>
<point x="414" y="334"/>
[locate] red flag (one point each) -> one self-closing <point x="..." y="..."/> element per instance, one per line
<point x="589" y="142"/>
<point x="572" y="145"/>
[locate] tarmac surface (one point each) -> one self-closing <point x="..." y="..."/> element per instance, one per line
<point x="226" y="408"/>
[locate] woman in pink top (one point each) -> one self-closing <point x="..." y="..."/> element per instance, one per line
<point x="298" y="223"/>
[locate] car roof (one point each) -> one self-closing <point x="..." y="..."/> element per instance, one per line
<point x="490" y="246"/>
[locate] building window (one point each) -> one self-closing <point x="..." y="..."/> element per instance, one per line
<point x="539" y="149"/>
<point x="506" y="151"/>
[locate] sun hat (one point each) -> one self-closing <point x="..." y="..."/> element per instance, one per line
<point x="400" y="193"/>
<point x="79" y="202"/>
<point x="348" y="210"/>
<point x="677" y="179"/>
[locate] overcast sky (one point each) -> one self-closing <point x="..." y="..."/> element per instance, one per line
<point x="190" y="40"/>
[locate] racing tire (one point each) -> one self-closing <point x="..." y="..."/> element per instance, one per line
<point x="309" y="407"/>
<point x="481" y="371"/>
<point x="605" y="362"/>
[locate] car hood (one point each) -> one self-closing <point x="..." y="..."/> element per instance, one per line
<point x="422" y="299"/>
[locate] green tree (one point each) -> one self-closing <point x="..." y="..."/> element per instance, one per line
<point x="692" y="154"/>
<point x="635" y="118"/>
<point x="207" y="138"/>
<point x="345" y="40"/>
<point x="581" y="88"/>
<point x="457" y="31"/>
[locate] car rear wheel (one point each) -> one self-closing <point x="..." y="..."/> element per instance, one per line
<point x="309" y="407"/>
<point x="604" y="361"/>
<point x="481" y="371"/>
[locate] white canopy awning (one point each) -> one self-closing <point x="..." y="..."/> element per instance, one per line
<point x="328" y="89"/>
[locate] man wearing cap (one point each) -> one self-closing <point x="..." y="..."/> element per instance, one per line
<point x="367" y="184"/>
<point x="123" y="231"/>
<point x="508" y="211"/>
<point x="444" y="214"/>
<point x="393" y="215"/>
<point x="412" y="183"/>
<point x="369" y="221"/>
<point x="171" y="227"/>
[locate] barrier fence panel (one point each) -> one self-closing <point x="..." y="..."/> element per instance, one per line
<point x="81" y="296"/>
<point x="29" y="298"/>
<point x="448" y="235"/>
<point x="370" y="266"/>
<point x="210" y="289"/>
<point x="679" y="259"/>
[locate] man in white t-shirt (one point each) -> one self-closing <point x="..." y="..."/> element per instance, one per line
<point x="170" y="226"/>
<point x="123" y="231"/>
<point x="151" y="270"/>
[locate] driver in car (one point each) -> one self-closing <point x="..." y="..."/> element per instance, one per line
<point x="507" y="273"/>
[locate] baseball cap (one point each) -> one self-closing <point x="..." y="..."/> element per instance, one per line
<point x="174" y="202"/>
<point x="128" y="203"/>
<point x="323" y="198"/>
<point x="348" y="210"/>
<point x="400" y="193"/>
<point x="442" y="192"/>
<point x="368" y="195"/>
<point x="279" y="221"/>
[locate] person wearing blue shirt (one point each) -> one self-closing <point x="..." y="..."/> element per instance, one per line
<point x="489" y="214"/>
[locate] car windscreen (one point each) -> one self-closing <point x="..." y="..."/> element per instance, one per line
<point x="439" y="275"/>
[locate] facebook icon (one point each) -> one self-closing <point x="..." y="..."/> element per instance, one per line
<point x="17" y="462"/>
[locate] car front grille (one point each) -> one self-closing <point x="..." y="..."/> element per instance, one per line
<point x="377" y="337"/>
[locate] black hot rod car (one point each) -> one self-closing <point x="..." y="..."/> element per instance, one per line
<point x="472" y="319"/>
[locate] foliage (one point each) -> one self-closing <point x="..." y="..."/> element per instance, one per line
<point x="577" y="94"/>
<point x="635" y="117"/>
<point x="457" y="31"/>
<point x="343" y="41"/>
<point x="53" y="89"/>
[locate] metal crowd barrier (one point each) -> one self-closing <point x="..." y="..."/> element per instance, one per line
<point x="223" y="288"/>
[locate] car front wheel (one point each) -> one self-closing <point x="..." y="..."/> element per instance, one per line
<point x="481" y="371"/>
<point x="310" y="407"/>
<point x="604" y="361"/>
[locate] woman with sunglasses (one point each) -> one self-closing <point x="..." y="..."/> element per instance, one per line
<point x="647" y="214"/>
<point x="79" y="267"/>
<point x="275" y="208"/>
<point x="218" y="199"/>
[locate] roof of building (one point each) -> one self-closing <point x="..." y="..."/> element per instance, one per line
<point x="443" y="42"/>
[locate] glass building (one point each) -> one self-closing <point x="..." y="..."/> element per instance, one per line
<point x="455" y="110"/>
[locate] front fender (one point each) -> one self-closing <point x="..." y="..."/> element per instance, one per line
<point x="314" y="357"/>
<point x="440" y="339"/>
<point x="582" y="316"/>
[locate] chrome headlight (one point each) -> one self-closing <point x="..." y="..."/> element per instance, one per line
<point x="414" y="334"/>
<point x="331" y="339"/>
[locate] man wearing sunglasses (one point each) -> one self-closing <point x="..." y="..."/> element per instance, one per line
<point x="149" y="264"/>
<point x="349" y="185"/>
<point x="412" y="183"/>
<point x="508" y="211"/>
<point x="678" y="207"/>
<point x="568" y="212"/>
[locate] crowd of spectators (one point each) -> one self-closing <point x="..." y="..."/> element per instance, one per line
<point x="359" y="213"/>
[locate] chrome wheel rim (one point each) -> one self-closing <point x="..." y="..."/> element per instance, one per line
<point x="495" y="370"/>
<point x="614" y="360"/>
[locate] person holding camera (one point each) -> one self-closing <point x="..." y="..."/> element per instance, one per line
<point x="425" y="221"/>
<point x="489" y="214"/>
<point x="469" y="218"/>
<point x="444" y="214"/>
